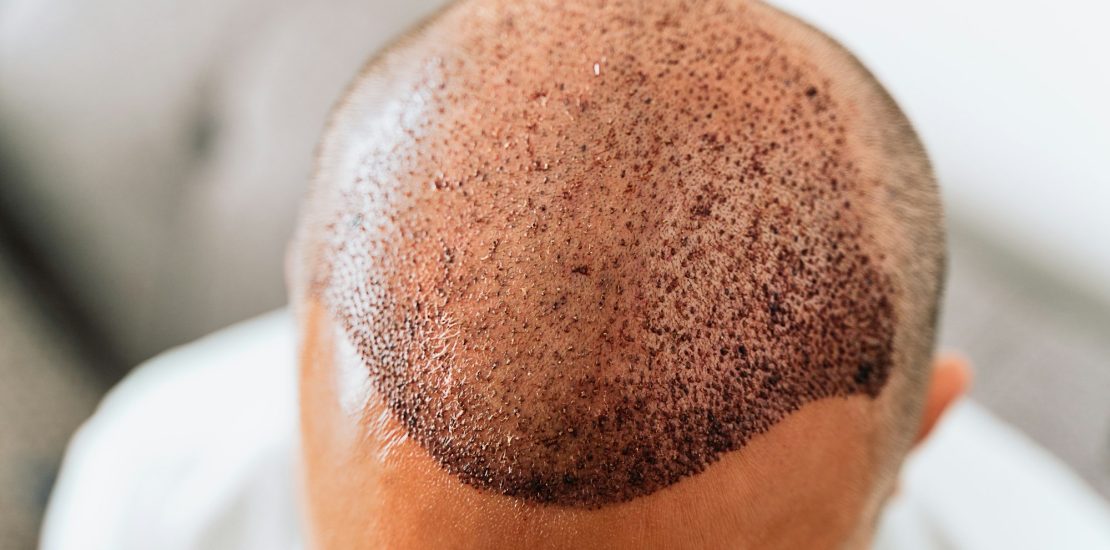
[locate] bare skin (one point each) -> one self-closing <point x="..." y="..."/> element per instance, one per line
<point x="615" y="275"/>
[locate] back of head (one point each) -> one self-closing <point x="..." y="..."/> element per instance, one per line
<point x="584" y="251"/>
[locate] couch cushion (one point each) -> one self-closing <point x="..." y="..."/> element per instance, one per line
<point x="157" y="149"/>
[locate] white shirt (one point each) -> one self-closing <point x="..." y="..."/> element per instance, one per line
<point x="198" y="449"/>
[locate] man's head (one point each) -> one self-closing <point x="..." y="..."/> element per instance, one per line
<point x="604" y="273"/>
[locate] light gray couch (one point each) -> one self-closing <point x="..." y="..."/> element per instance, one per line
<point x="155" y="150"/>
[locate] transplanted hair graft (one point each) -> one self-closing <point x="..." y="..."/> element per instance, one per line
<point x="585" y="248"/>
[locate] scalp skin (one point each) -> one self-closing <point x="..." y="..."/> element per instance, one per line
<point x="586" y="248"/>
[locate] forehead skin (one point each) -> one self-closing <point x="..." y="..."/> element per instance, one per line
<point x="585" y="249"/>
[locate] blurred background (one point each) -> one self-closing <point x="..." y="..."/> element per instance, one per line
<point x="152" y="153"/>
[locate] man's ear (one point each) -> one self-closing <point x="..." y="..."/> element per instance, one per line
<point x="950" y="380"/>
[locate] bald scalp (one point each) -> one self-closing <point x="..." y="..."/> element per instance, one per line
<point x="586" y="248"/>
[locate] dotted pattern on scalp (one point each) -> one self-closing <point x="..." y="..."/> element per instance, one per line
<point x="595" y="245"/>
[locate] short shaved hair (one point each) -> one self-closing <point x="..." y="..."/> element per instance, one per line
<point x="585" y="248"/>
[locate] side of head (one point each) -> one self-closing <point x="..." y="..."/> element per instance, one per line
<point x="616" y="272"/>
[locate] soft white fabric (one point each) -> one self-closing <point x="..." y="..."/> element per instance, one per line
<point x="193" y="450"/>
<point x="197" y="449"/>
